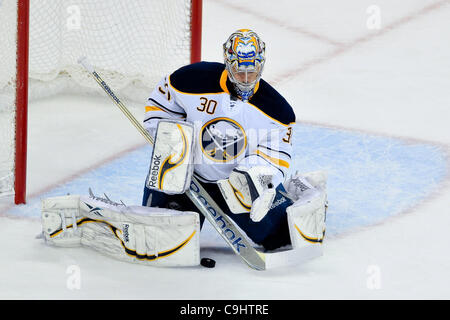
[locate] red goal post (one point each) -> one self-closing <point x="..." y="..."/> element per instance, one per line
<point x="178" y="19"/>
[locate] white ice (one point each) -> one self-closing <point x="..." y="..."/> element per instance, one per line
<point x="337" y="73"/>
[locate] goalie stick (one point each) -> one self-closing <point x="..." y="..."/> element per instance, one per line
<point x="198" y="195"/>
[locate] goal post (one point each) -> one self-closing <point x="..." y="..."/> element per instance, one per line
<point x="20" y="161"/>
<point x="42" y="40"/>
<point x="196" y="30"/>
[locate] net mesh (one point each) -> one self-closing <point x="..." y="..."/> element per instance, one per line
<point x="8" y="36"/>
<point x="131" y="43"/>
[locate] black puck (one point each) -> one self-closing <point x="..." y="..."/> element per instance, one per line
<point x="208" y="263"/>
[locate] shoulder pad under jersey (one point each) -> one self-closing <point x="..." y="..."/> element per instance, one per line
<point x="200" y="77"/>
<point x="269" y="101"/>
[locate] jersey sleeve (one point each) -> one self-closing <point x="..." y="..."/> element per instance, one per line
<point x="274" y="150"/>
<point x="162" y="104"/>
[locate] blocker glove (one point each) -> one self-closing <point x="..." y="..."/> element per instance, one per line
<point x="249" y="190"/>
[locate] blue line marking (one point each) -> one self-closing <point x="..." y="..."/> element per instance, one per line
<point x="370" y="178"/>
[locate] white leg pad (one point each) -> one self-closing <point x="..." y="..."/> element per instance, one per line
<point x="306" y="217"/>
<point x="59" y="216"/>
<point x="152" y="236"/>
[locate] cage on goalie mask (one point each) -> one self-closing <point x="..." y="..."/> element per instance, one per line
<point x="244" y="55"/>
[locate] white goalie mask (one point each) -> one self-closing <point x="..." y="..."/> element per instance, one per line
<point x="244" y="55"/>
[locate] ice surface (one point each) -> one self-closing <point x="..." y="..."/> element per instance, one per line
<point x="372" y="109"/>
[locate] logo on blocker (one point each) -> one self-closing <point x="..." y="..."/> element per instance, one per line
<point x="154" y="170"/>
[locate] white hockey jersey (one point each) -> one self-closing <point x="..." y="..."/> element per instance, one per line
<point x="228" y="131"/>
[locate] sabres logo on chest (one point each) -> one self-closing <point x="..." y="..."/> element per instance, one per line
<point x="222" y="139"/>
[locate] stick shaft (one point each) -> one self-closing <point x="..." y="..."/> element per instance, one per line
<point x="117" y="101"/>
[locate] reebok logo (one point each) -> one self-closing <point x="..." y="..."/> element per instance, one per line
<point x="278" y="202"/>
<point x="154" y="171"/>
<point x="221" y="222"/>
<point x="125" y="232"/>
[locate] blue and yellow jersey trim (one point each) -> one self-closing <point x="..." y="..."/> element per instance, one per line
<point x="275" y="161"/>
<point x="208" y="78"/>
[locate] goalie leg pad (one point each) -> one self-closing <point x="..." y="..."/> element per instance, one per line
<point x="171" y="167"/>
<point x="152" y="236"/>
<point x="60" y="217"/>
<point x="307" y="215"/>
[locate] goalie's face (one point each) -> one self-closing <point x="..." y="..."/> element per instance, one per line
<point x="244" y="55"/>
<point x="245" y="77"/>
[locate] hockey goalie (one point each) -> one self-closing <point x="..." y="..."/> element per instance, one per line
<point x="224" y="125"/>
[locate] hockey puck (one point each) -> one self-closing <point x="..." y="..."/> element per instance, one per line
<point x="208" y="263"/>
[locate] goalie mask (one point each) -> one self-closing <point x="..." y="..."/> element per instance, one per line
<point x="244" y="54"/>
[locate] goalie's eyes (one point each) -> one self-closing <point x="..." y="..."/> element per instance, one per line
<point x="246" y="77"/>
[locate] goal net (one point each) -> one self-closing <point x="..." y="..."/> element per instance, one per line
<point x="132" y="43"/>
